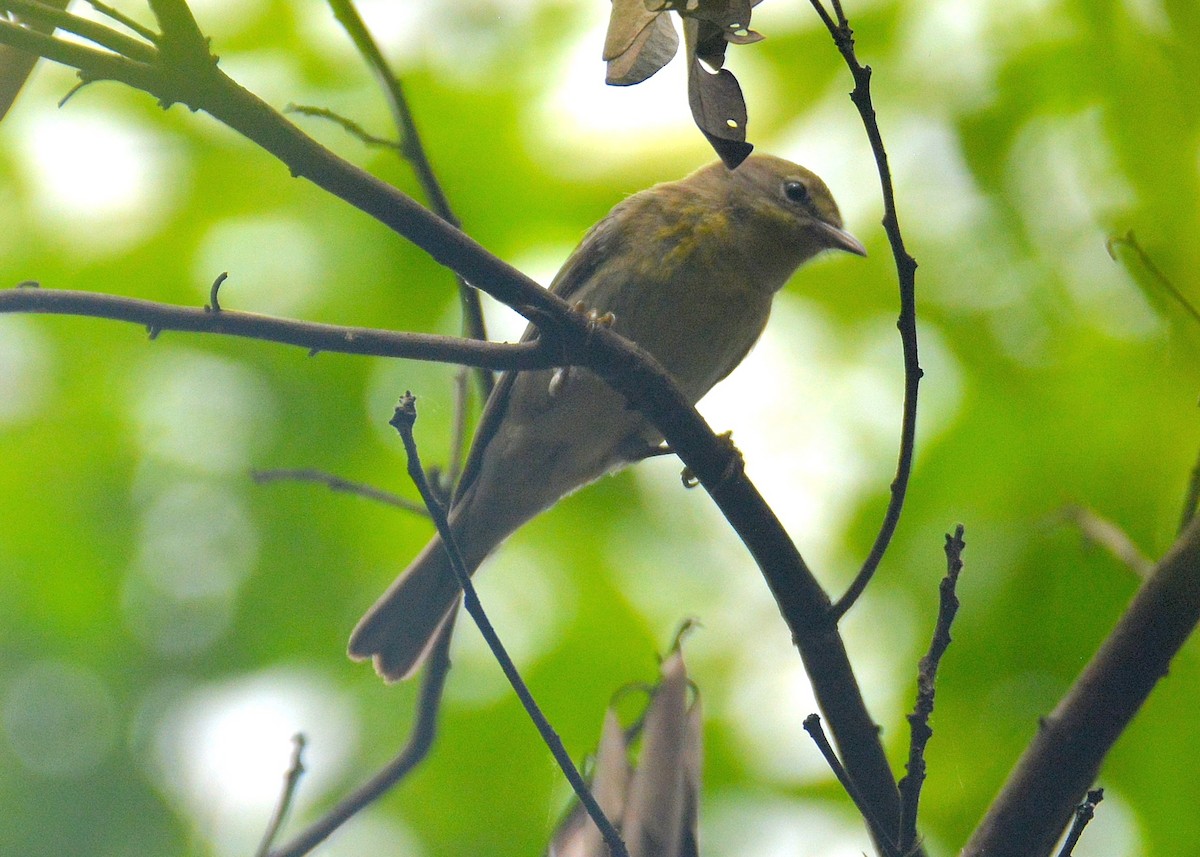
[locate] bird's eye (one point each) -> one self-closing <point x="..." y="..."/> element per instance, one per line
<point x="796" y="191"/>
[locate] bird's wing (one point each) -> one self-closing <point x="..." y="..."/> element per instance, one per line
<point x="575" y="273"/>
<point x="592" y="251"/>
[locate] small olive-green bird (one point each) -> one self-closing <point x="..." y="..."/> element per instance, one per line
<point x="688" y="270"/>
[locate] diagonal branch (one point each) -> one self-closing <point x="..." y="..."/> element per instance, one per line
<point x="92" y="64"/>
<point x="882" y="837"/>
<point x="627" y="368"/>
<point x="420" y="741"/>
<point x="402" y="421"/>
<point x="1062" y="761"/>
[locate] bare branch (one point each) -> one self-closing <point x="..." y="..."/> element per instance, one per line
<point x="420" y="740"/>
<point x="313" y="336"/>
<point x="885" y="841"/>
<point x="337" y="483"/>
<point x="906" y="273"/>
<point x="402" y="421"/>
<point x="864" y="756"/>
<point x="918" y="720"/>
<point x="1061" y="762"/>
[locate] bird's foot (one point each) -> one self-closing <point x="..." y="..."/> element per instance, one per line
<point x="594" y="318"/>
<point x="734" y="467"/>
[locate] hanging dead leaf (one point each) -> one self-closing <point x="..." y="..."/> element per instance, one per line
<point x="731" y="18"/>
<point x="626" y="21"/>
<point x="641" y="40"/>
<point x="656" y="806"/>
<point x="653" y="823"/>
<point x="577" y="836"/>
<point x="718" y="107"/>
<point x="651" y="49"/>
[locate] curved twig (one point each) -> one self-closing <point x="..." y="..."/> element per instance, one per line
<point x="420" y="740"/>
<point x="906" y="272"/>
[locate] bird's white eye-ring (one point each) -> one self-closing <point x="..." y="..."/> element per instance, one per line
<point x="796" y="191"/>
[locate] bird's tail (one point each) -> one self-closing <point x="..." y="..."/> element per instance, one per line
<point x="399" y="630"/>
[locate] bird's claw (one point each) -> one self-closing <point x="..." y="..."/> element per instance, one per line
<point x="734" y="467"/>
<point x="594" y="319"/>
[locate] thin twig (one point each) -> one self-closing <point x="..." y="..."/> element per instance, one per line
<point x="290" y="781"/>
<point x="1084" y="813"/>
<point x="214" y="292"/>
<point x="337" y="483"/>
<point x="94" y="32"/>
<point x="123" y="19"/>
<point x="310" y="335"/>
<point x="420" y="740"/>
<point x="918" y="720"/>
<point x="1192" y="499"/>
<point x="812" y="725"/>
<point x="348" y="125"/>
<point x="402" y="421"/>
<point x="906" y="271"/>
<point x="414" y="152"/>
<point x="1112" y="538"/>
<point x="1130" y="240"/>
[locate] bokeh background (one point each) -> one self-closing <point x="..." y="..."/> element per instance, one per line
<point x="166" y="625"/>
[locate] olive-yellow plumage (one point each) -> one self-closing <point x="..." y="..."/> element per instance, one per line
<point x="688" y="270"/>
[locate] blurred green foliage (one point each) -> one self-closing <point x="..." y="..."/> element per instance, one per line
<point x="167" y="623"/>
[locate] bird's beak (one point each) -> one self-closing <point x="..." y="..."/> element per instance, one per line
<point x="837" y="238"/>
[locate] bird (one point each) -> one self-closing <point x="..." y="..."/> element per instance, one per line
<point x="687" y="270"/>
